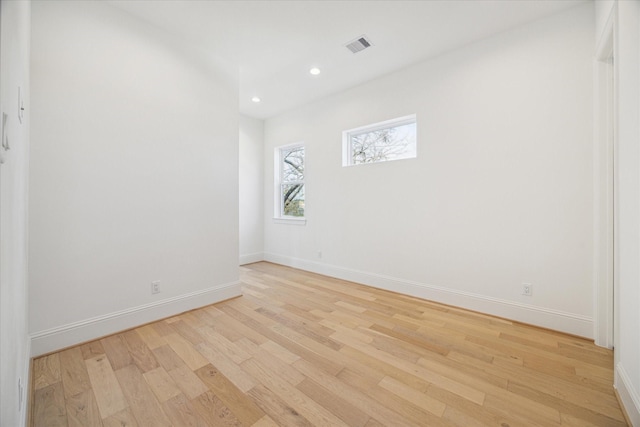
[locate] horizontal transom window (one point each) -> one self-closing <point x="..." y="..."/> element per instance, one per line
<point x="380" y="142"/>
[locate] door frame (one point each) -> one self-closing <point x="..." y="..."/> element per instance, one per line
<point x="605" y="152"/>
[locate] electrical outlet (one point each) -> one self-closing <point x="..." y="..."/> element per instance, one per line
<point x="155" y="287"/>
<point x="527" y="289"/>
<point x="20" y="105"/>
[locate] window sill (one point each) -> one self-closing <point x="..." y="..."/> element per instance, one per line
<point x="292" y="221"/>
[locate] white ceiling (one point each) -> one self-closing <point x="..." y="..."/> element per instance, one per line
<point x="275" y="43"/>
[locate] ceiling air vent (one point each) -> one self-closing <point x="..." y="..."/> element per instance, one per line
<point x="359" y="44"/>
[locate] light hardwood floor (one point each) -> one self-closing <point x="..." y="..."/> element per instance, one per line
<point x="302" y="349"/>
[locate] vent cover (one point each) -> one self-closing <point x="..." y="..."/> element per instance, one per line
<point x="359" y="44"/>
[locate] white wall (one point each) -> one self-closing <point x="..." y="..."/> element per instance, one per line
<point x="501" y="192"/>
<point x="134" y="174"/>
<point x="627" y="180"/>
<point x="14" y="342"/>
<point x="602" y="9"/>
<point x="251" y="196"/>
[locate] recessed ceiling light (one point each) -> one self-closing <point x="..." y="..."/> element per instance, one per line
<point x="256" y="99"/>
<point x="315" y="71"/>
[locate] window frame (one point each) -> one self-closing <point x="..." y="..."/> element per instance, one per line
<point x="348" y="135"/>
<point x="279" y="183"/>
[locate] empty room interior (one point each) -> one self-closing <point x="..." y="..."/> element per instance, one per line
<point x="360" y="213"/>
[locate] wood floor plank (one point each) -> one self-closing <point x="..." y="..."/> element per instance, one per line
<point x="472" y="366"/>
<point x="362" y="381"/>
<point x="224" y="364"/>
<point x="140" y="353"/>
<point x="73" y="372"/>
<point x="150" y="336"/>
<point x="351" y="307"/>
<point x="411" y="413"/>
<point x="91" y="349"/>
<point x="116" y="350"/>
<point x="605" y="403"/>
<point x="329" y="285"/>
<point x="182" y="413"/>
<point x="301" y="403"/>
<point x="280" y="352"/>
<point x="237" y="401"/>
<point x="168" y="358"/>
<point x="236" y="354"/>
<point x="425" y="344"/>
<point x="522" y="412"/>
<point x="301" y="349"/>
<point x="460" y="411"/>
<point x="278" y="409"/>
<point x="597" y="373"/>
<point x="233" y="331"/>
<point x="143" y="403"/>
<point x="347" y="319"/>
<point x="340" y="407"/>
<point x="242" y="310"/>
<point x="186" y="351"/>
<point x="301" y="313"/>
<point x="314" y="330"/>
<point x="374" y="423"/>
<point x="279" y="367"/>
<point x="46" y="371"/>
<point x="105" y="386"/>
<point x="556" y="382"/>
<point x="123" y="418"/>
<point x="355" y="332"/>
<point x="571" y="421"/>
<point x="414" y="396"/>
<point x="284" y="337"/>
<point x="312" y="348"/>
<point x="187" y="332"/>
<point x="381" y="319"/>
<point x="213" y="411"/>
<point x="469" y="376"/>
<point x="395" y="348"/>
<point x="49" y="406"/>
<point x="596" y="413"/>
<point x="163" y="328"/>
<point x="82" y="410"/>
<point x="351" y="395"/>
<point x="520" y="350"/>
<point x="499" y="394"/>
<point x="188" y="382"/>
<point x="230" y="330"/>
<point x="587" y="355"/>
<point x="193" y="321"/>
<point x="464" y="390"/>
<point x="265" y="421"/>
<point x="162" y="385"/>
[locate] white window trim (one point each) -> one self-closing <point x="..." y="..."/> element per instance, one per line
<point x="347" y="152"/>
<point x="289" y="220"/>
<point x="278" y="217"/>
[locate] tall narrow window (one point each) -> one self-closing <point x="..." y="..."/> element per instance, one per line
<point x="380" y="142"/>
<point x="290" y="180"/>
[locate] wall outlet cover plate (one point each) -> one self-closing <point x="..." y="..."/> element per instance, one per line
<point x="20" y="105"/>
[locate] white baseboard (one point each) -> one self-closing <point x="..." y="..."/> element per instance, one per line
<point x="26" y="388"/>
<point x="250" y="258"/>
<point x="43" y="342"/>
<point x="547" y="318"/>
<point x="628" y="395"/>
